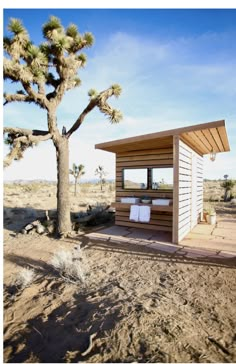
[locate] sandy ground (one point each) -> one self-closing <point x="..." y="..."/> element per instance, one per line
<point x="134" y="306"/>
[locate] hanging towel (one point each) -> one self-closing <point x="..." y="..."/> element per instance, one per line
<point x="144" y="213"/>
<point x="134" y="212"/>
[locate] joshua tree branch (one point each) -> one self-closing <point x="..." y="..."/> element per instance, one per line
<point x="25" y="132"/>
<point x="13" y="154"/>
<point x="80" y="119"/>
<point x="41" y="89"/>
<point x="17" y="97"/>
<point x="100" y="102"/>
<point x="21" y="139"/>
<point x="18" y="74"/>
<point x="38" y="98"/>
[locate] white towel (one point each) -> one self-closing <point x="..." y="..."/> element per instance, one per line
<point x="134" y="212"/>
<point x="144" y="213"/>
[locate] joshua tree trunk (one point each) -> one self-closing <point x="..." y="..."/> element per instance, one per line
<point x="75" y="186"/>
<point x="63" y="196"/>
<point x="227" y="195"/>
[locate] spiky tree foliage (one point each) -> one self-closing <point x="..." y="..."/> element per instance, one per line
<point x="77" y="172"/>
<point x="101" y="173"/>
<point x="44" y="74"/>
<point x="228" y="185"/>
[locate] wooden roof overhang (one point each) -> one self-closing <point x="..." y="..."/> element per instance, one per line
<point x="203" y="138"/>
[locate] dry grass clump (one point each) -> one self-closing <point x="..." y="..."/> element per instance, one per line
<point x="70" y="265"/>
<point x="24" y="278"/>
<point x="213" y="191"/>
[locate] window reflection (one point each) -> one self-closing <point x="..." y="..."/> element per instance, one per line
<point x="135" y="178"/>
<point x="162" y="178"/>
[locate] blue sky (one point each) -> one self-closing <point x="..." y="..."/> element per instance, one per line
<point x="177" y="67"/>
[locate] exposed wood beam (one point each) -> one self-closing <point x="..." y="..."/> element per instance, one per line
<point x="130" y="142"/>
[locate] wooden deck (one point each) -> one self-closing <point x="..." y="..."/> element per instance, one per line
<point x="204" y="240"/>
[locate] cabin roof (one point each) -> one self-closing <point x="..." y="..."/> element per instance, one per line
<point x="203" y="138"/>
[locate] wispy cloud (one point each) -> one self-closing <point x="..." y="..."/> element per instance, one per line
<point x="167" y="83"/>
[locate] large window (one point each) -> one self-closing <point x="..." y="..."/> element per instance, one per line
<point x="162" y="179"/>
<point x="135" y="179"/>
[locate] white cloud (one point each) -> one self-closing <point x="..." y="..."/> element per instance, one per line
<point x="166" y="84"/>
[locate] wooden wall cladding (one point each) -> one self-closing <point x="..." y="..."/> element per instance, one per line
<point x="152" y="158"/>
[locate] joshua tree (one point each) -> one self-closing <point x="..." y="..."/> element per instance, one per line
<point x="228" y="185"/>
<point x="100" y="172"/>
<point x="44" y="73"/>
<point x="77" y="172"/>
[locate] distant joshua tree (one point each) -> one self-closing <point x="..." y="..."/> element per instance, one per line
<point x="42" y="75"/>
<point x="228" y="185"/>
<point x="100" y="172"/>
<point x="77" y="172"/>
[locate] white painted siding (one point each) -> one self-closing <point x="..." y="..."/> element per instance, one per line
<point x="190" y="197"/>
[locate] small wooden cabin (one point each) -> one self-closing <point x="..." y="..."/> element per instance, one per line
<point x="164" y="170"/>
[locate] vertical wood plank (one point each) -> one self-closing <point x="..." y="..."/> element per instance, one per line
<point x="175" y="228"/>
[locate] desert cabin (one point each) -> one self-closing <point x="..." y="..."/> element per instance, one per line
<point x="159" y="176"/>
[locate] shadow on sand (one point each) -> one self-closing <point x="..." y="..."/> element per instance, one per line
<point x="64" y="335"/>
<point x="16" y="218"/>
<point x="148" y="253"/>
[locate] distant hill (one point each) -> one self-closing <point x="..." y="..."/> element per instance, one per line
<point x="45" y="181"/>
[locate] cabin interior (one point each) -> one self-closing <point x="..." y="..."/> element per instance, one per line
<point x="159" y="177"/>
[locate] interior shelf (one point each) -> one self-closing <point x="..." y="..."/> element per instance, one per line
<point x="126" y="206"/>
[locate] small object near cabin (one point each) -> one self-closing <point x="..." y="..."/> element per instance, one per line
<point x="168" y="167"/>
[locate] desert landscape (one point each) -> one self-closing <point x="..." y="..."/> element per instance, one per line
<point x="119" y="303"/>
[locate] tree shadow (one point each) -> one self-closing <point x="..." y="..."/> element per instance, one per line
<point x="222" y="210"/>
<point x="227" y="220"/>
<point x="16" y="218"/>
<point x="65" y="334"/>
<point x="40" y="267"/>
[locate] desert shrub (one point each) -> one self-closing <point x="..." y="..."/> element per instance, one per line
<point x="84" y="190"/>
<point x="111" y="187"/>
<point x="100" y="218"/>
<point x="215" y="197"/>
<point x="228" y="186"/>
<point x="24" y="278"/>
<point x="70" y="265"/>
<point x="31" y="187"/>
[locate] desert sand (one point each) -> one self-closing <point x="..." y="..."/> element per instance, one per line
<point x="133" y="306"/>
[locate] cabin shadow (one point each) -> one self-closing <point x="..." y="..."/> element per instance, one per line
<point x="153" y="254"/>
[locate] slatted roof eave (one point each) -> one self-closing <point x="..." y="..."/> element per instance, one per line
<point x="202" y="137"/>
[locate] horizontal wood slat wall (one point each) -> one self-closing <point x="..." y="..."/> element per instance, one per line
<point x="151" y="158"/>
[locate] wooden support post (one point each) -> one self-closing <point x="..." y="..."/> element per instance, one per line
<point x="175" y="228"/>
